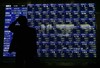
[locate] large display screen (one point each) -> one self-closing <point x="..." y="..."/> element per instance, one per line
<point x="63" y="30"/>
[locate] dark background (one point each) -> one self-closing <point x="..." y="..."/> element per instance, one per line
<point x="81" y="62"/>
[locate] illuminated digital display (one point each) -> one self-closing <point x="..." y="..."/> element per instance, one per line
<point x="63" y="30"/>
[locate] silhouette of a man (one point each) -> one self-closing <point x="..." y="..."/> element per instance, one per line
<point x="23" y="42"/>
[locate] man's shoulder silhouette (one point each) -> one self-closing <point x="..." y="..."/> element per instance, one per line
<point x="31" y="33"/>
<point x="32" y="30"/>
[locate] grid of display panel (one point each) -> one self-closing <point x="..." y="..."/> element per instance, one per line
<point x="63" y="30"/>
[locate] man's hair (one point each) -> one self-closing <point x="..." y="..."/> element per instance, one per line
<point x="22" y="20"/>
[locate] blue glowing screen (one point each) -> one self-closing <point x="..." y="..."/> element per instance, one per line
<point x="63" y="30"/>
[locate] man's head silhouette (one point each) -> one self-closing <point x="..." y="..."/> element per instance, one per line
<point x="22" y="20"/>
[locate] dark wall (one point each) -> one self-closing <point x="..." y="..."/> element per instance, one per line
<point x="1" y="29"/>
